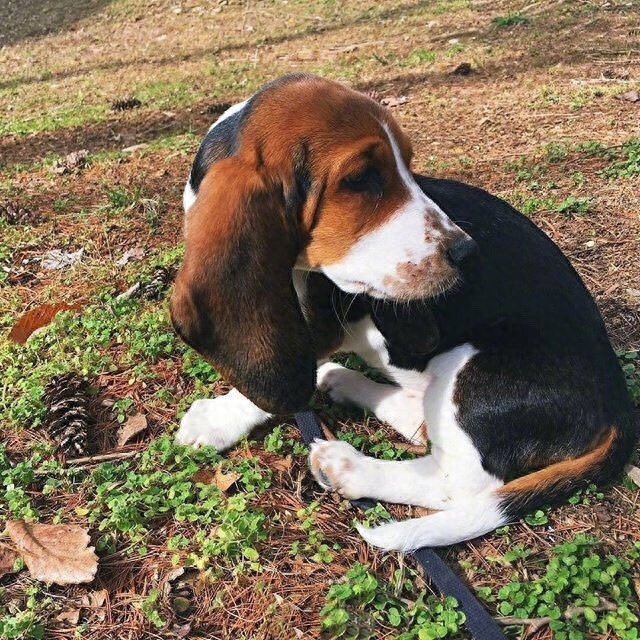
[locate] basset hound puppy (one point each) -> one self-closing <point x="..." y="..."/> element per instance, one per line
<point x="307" y="233"/>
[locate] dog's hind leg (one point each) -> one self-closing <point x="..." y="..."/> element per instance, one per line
<point x="453" y="472"/>
<point x="399" y="407"/>
<point x="451" y="479"/>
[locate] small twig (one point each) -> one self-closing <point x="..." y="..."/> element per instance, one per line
<point x="90" y="460"/>
<point x="418" y="449"/>
<point x="605" y="605"/>
<point x="533" y="624"/>
<point x="327" y="432"/>
<point x="603" y="80"/>
<point x="457" y="34"/>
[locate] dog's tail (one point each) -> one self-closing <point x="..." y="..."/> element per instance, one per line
<point x="494" y="508"/>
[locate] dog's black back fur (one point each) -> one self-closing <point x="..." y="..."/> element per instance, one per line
<point x="546" y="382"/>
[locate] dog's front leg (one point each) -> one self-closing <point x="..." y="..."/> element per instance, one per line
<point x="220" y="422"/>
<point x="402" y="409"/>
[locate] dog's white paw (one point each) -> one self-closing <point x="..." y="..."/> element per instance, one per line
<point x="340" y="383"/>
<point x="338" y="466"/>
<point x="220" y="422"/>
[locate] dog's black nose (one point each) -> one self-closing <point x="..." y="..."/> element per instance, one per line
<point x="462" y="251"/>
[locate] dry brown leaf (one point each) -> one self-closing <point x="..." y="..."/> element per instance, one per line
<point x="393" y="101"/>
<point x="137" y="253"/>
<point x="72" y="616"/>
<point x="216" y="476"/>
<point x="634" y="474"/>
<point x="131" y="428"/>
<point x="72" y="162"/>
<point x="182" y="630"/>
<point x="173" y="574"/>
<point x="94" y="599"/>
<point x="629" y="96"/>
<point x="58" y="259"/>
<point x="7" y="557"/>
<point x="54" y="552"/>
<point x="36" y="318"/>
<point x="282" y="464"/>
<point x="225" y="480"/>
<point x="206" y="475"/>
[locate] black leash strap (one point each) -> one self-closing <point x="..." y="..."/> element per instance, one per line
<point x="481" y="625"/>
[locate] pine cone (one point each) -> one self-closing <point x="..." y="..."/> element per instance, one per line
<point x="13" y="213"/>
<point x="218" y="108"/>
<point x="160" y="280"/>
<point x="67" y="418"/>
<point x="125" y="104"/>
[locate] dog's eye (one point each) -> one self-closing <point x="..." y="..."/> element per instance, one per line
<point x="367" y="181"/>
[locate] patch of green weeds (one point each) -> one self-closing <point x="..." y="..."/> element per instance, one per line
<point x="594" y="149"/>
<point x="586" y="496"/>
<point x="24" y="624"/>
<point x="16" y="480"/>
<point x="281" y="441"/>
<point x="433" y="164"/>
<point x="630" y="363"/>
<point x="627" y="164"/>
<point x="454" y="49"/>
<point x="360" y="607"/>
<point x="529" y="205"/>
<point x="447" y="6"/>
<point x="171" y="257"/>
<point x="578" y="179"/>
<point x="195" y="366"/>
<point x="583" y="97"/>
<point x="355" y="362"/>
<point x="235" y="77"/>
<point x="548" y="95"/>
<point x="152" y="210"/>
<point x="509" y="20"/>
<point x="522" y="169"/>
<point x="61" y="118"/>
<point x="37" y="470"/>
<point x="571" y="589"/>
<point x="375" y="516"/>
<point x="130" y="498"/>
<point x="149" y="606"/>
<point x="376" y="444"/>
<point x="537" y="518"/>
<point x="104" y="337"/>
<point x="162" y="94"/>
<point x="624" y="158"/>
<point x="515" y="555"/>
<point x="569" y="206"/>
<point x="120" y="407"/>
<point x="574" y="206"/>
<point x="63" y="203"/>
<point x="418" y="57"/>
<point x="121" y="198"/>
<point x="315" y="547"/>
<point x="555" y="151"/>
<point x="186" y="142"/>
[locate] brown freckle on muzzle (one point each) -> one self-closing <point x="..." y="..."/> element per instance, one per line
<point x="429" y="277"/>
<point x="434" y="274"/>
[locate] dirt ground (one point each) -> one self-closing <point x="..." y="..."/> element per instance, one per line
<point x="525" y="99"/>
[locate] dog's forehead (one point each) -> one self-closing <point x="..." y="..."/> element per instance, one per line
<point x="321" y="113"/>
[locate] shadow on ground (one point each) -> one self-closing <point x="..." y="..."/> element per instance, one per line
<point x="20" y="19"/>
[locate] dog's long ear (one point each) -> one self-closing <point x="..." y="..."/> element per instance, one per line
<point x="234" y="301"/>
